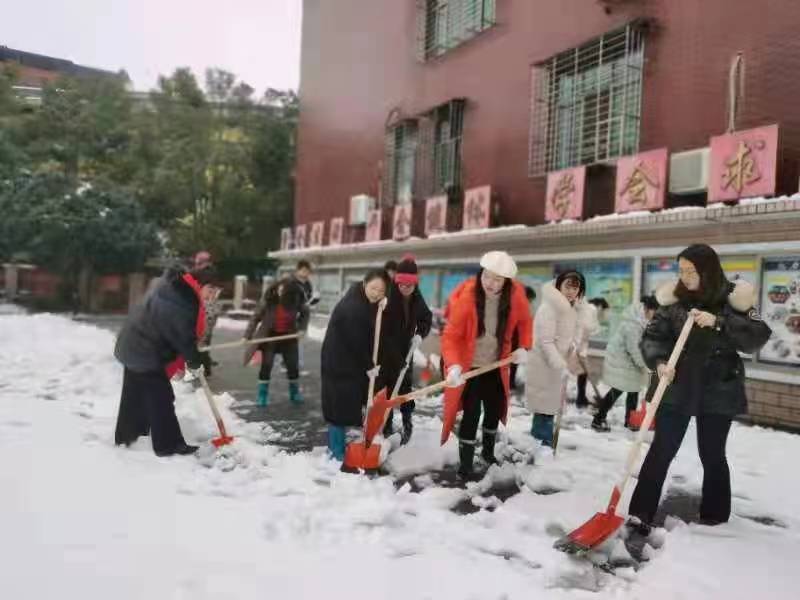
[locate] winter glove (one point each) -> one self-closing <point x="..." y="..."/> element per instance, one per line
<point x="702" y="318"/>
<point x="374" y="371"/>
<point x="664" y="370"/>
<point x="416" y="341"/>
<point x="454" y="378"/>
<point x="519" y="356"/>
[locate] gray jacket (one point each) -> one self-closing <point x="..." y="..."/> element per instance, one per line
<point x="624" y="367"/>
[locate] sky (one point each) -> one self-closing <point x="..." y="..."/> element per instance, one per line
<point x="258" y="40"/>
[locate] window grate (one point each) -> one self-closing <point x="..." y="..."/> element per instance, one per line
<point x="444" y="24"/>
<point x="423" y="156"/>
<point x="586" y="102"/>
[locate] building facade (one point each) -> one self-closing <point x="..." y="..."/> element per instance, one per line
<point x="458" y="126"/>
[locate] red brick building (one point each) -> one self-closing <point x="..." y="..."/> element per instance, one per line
<point x="35" y="70"/>
<point x="404" y="100"/>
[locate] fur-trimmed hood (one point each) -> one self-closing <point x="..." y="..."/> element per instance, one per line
<point x="741" y="298"/>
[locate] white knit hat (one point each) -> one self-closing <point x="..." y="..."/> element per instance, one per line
<point x="499" y="262"/>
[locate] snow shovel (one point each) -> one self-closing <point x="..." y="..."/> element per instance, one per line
<point x="603" y="525"/>
<point x="224" y="439"/>
<point x="244" y="342"/>
<point x="404" y="370"/>
<point x="560" y="415"/>
<point x="382" y="405"/>
<point x="364" y="455"/>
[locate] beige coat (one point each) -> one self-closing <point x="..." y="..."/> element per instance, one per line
<point x="559" y="328"/>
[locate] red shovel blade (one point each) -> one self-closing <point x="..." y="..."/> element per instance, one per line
<point x="357" y="456"/>
<point x="222" y="441"/>
<point x="591" y="534"/>
<point x="376" y="415"/>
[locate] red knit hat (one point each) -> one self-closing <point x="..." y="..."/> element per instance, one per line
<point x="407" y="272"/>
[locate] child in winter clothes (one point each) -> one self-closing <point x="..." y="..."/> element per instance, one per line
<point x="624" y="368"/>
<point x="707" y="383"/>
<point x="282" y="311"/>
<point x="346" y="361"/>
<point x="561" y="322"/>
<point x="485" y="313"/>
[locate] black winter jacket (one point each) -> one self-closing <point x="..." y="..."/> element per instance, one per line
<point x="709" y="375"/>
<point x="161" y="327"/>
<point x="346" y="358"/>
<point x="400" y="323"/>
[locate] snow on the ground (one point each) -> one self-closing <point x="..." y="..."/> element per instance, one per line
<point x="82" y="518"/>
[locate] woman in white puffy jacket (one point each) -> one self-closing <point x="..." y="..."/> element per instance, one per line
<point x="561" y="323"/>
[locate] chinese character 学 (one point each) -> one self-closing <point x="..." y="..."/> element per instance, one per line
<point x="562" y="194"/>
<point x="640" y="181"/>
<point x="741" y="169"/>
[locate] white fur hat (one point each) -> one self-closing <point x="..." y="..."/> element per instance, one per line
<point x="499" y="262"/>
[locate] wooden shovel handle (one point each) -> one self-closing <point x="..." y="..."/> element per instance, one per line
<point x="432" y="389"/>
<point x="650" y="413"/>
<point x="243" y="342"/>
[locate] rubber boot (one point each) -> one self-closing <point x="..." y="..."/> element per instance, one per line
<point x="408" y="429"/>
<point x="487" y="452"/>
<point x="295" y="397"/>
<point x="262" y="399"/>
<point x="466" y="454"/>
<point x="336" y="441"/>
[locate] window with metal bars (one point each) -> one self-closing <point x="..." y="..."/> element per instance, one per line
<point x="423" y="155"/>
<point x="400" y="157"/>
<point x="445" y="24"/>
<point x="586" y="102"/>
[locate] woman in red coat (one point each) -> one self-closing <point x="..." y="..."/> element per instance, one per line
<point x="485" y="313"/>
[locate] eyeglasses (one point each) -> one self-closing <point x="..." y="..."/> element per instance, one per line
<point x="686" y="272"/>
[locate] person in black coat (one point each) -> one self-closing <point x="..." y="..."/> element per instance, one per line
<point x="346" y="363"/>
<point x="158" y="331"/>
<point x="406" y="322"/>
<point x="707" y="382"/>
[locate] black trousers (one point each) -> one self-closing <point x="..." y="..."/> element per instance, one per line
<point x="486" y="389"/>
<point x="608" y="401"/>
<point x="712" y="436"/>
<point x="147" y="405"/>
<point x="288" y="350"/>
<point x="580" y="399"/>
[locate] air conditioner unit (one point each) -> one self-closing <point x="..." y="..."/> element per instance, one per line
<point x="688" y="171"/>
<point x="359" y="207"/>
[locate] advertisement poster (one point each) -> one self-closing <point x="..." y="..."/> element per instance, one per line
<point x="427" y="287"/>
<point x="780" y="308"/>
<point x="450" y="281"/>
<point x="535" y="276"/>
<point x="658" y="271"/>
<point x="612" y="280"/>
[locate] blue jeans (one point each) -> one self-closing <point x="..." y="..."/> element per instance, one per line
<point x="542" y="428"/>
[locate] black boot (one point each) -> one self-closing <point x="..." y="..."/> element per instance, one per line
<point x="408" y="429"/>
<point x="599" y="423"/>
<point x="466" y="454"/>
<point x="487" y="452"/>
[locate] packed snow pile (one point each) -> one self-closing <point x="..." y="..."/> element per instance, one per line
<point x="83" y="518"/>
